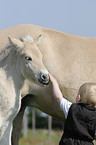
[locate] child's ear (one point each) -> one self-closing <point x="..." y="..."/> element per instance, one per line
<point x="79" y="98"/>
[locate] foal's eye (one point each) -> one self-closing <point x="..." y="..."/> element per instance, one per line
<point x="28" y="58"/>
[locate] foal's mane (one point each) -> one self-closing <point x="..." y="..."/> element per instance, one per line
<point x="5" y="52"/>
<point x="9" y="48"/>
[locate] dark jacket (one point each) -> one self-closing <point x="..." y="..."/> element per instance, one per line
<point x="80" y="125"/>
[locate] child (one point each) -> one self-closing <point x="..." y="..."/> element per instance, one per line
<point x="80" y="123"/>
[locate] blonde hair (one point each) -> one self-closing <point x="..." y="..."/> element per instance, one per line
<point x="87" y="93"/>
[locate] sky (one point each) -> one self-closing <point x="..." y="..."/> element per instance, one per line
<point x="76" y="17"/>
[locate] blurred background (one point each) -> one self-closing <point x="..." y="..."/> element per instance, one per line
<point x="39" y="128"/>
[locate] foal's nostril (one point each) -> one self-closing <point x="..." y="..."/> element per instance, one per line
<point x="43" y="77"/>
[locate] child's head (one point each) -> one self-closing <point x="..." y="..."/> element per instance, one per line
<point x="87" y="94"/>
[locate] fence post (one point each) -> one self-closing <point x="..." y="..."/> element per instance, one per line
<point x="25" y="123"/>
<point x="33" y="121"/>
<point x="49" y="125"/>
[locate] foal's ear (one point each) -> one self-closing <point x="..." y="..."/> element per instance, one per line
<point x="16" y="43"/>
<point x="38" y="40"/>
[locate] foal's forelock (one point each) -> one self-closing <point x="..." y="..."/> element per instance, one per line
<point x="27" y="38"/>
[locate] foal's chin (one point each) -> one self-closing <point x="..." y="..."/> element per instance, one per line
<point x="40" y="82"/>
<point x="43" y="83"/>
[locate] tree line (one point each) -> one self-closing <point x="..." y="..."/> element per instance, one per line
<point x="36" y="119"/>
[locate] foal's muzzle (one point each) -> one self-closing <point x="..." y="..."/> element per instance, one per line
<point x="44" y="79"/>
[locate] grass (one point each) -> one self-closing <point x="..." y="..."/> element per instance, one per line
<point x="40" y="137"/>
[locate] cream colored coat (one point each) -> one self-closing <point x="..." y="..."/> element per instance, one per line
<point x="71" y="59"/>
<point x="16" y="65"/>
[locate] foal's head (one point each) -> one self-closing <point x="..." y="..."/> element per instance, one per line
<point x="30" y="59"/>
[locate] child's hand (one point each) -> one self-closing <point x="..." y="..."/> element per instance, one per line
<point x="53" y="80"/>
<point x="56" y="90"/>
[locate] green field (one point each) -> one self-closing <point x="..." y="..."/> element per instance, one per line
<point x="41" y="138"/>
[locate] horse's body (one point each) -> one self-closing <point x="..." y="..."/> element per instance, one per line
<point x="15" y="65"/>
<point x="71" y="59"/>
